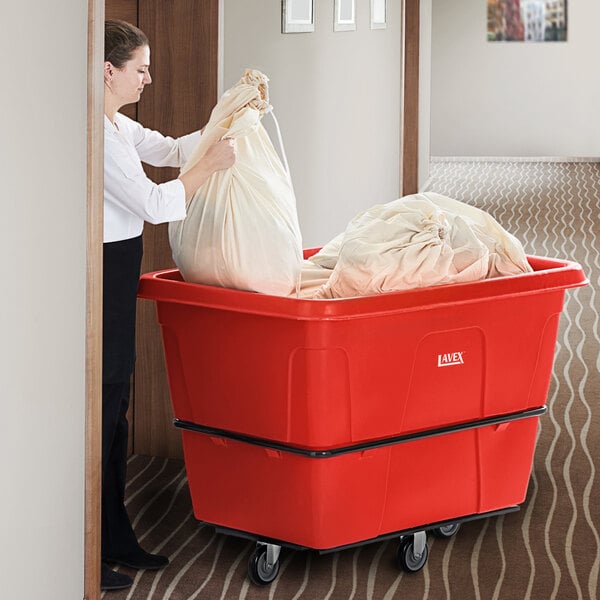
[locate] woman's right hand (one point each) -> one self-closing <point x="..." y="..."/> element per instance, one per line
<point x="221" y="155"/>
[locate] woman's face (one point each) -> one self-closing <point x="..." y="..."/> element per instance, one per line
<point x="128" y="82"/>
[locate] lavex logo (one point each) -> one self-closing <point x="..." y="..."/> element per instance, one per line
<point x="450" y="359"/>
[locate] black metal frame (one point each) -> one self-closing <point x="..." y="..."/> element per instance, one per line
<point x="389" y="441"/>
<point x="380" y="538"/>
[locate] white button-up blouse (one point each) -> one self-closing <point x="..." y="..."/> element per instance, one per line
<point x="130" y="197"/>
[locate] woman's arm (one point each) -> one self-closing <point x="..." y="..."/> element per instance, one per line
<point x="157" y="149"/>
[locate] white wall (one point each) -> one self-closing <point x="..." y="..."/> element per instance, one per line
<point x="337" y="98"/>
<point x="513" y="98"/>
<point x="43" y="52"/>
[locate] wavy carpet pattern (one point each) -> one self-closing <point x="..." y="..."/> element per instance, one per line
<point x="550" y="549"/>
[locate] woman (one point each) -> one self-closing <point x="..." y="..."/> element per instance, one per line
<point x="130" y="198"/>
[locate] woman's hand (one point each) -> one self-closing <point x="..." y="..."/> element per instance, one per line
<point x="221" y="155"/>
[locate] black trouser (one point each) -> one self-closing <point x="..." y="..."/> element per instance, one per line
<point x="122" y="262"/>
<point x="118" y="538"/>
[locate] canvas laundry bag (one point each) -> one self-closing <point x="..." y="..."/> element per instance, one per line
<point x="241" y="230"/>
<point x="416" y="241"/>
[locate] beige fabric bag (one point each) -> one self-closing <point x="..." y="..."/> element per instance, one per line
<point x="416" y="241"/>
<point x="241" y="229"/>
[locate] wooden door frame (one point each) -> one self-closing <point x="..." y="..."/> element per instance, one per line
<point x="409" y="98"/>
<point x="93" y="338"/>
<point x="95" y="196"/>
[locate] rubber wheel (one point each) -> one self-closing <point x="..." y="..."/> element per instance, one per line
<point x="446" y="531"/>
<point x="407" y="561"/>
<point x="259" y="571"/>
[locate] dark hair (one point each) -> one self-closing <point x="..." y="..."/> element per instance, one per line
<point x="121" y="39"/>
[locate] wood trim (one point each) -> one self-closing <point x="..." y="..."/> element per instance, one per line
<point x="409" y="129"/>
<point x="93" y="338"/>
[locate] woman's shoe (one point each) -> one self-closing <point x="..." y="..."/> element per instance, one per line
<point x="140" y="559"/>
<point x="112" y="580"/>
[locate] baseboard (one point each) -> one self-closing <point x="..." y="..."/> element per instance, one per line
<point x="550" y="159"/>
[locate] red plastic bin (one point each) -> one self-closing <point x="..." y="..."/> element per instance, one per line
<point x="327" y="502"/>
<point x="325" y="374"/>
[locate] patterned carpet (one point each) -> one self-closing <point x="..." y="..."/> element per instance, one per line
<point x="550" y="549"/>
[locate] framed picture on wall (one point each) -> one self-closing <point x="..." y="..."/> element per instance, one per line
<point x="527" y="21"/>
<point x="297" y="16"/>
<point x="378" y="16"/>
<point x="344" y="15"/>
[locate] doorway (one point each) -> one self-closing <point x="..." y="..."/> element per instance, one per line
<point x="173" y="111"/>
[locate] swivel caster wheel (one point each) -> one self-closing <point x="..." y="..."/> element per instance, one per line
<point x="263" y="566"/>
<point x="412" y="552"/>
<point x="446" y="531"/>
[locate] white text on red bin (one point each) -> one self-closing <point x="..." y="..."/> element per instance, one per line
<point x="450" y="359"/>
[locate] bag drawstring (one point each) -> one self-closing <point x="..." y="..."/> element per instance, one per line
<point x="269" y="110"/>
